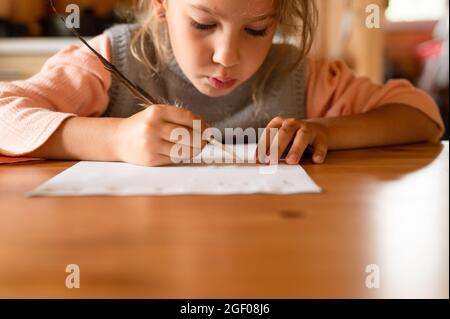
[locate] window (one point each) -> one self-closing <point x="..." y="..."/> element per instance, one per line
<point x="416" y="10"/>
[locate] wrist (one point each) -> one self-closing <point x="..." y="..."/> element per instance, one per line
<point x="117" y="140"/>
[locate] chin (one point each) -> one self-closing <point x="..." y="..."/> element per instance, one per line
<point x="214" y="93"/>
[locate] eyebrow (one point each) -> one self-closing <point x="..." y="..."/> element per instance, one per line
<point x="212" y="12"/>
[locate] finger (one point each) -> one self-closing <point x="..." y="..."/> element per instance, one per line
<point x="275" y="123"/>
<point x="172" y="132"/>
<point x="285" y="135"/>
<point x="176" y="152"/>
<point x="320" y="150"/>
<point x="182" y="117"/>
<point x="301" y="142"/>
<point x="159" y="160"/>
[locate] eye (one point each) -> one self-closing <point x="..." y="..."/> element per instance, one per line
<point x="200" y="26"/>
<point x="257" y="33"/>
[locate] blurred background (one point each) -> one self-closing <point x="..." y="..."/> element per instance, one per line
<point x="412" y="41"/>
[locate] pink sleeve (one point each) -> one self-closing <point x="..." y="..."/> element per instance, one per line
<point x="333" y="90"/>
<point x="71" y="83"/>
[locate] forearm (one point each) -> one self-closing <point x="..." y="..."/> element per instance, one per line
<point x="387" y="125"/>
<point x="80" y="138"/>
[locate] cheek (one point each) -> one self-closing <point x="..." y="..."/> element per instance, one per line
<point x="254" y="53"/>
<point x="199" y="50"/>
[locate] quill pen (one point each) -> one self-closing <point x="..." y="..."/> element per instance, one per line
<point x="134" y="89"/>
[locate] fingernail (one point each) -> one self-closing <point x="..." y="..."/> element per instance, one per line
<point x="292" y="158"/>
<point x="318" y="158"/>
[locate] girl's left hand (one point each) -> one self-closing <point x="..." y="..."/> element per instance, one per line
<point x="302" y="134"/>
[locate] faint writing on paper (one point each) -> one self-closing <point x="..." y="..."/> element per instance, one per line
<point x="88" y="178"/>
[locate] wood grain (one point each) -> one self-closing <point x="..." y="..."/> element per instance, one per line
<point x="383" y="206"/>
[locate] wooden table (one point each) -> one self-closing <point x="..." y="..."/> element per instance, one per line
<point x="383" y="206"/>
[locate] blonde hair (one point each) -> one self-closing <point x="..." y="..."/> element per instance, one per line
<point x="297" y="23"/>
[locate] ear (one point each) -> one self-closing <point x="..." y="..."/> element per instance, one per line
<point x="159" y="8"/>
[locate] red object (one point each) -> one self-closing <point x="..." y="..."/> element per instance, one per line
<point x="429" y="49"/>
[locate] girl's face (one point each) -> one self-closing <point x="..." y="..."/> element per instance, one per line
<point x="220" y="44"/>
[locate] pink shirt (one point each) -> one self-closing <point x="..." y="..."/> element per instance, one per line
<point x="74" y="83"/>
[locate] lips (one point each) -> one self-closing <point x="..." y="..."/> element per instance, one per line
<point x="221" y="83"/>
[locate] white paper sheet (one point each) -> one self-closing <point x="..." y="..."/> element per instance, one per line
<point x="121" y="179"/>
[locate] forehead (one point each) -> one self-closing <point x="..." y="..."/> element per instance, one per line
<point x="233" y="8"/>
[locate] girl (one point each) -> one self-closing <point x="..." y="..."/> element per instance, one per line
<point x="220" y="61"/>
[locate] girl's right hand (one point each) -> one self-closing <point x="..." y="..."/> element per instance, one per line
<point x="145" y="138"/>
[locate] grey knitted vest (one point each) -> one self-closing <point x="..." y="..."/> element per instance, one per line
<point x="284" y="94"/>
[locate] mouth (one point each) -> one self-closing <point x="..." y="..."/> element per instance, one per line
<point x="221" y="83"/>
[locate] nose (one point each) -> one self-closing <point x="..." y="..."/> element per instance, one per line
<point x="226" y="52"/>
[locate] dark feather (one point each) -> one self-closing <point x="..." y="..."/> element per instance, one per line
<point x="135" y="89"/>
